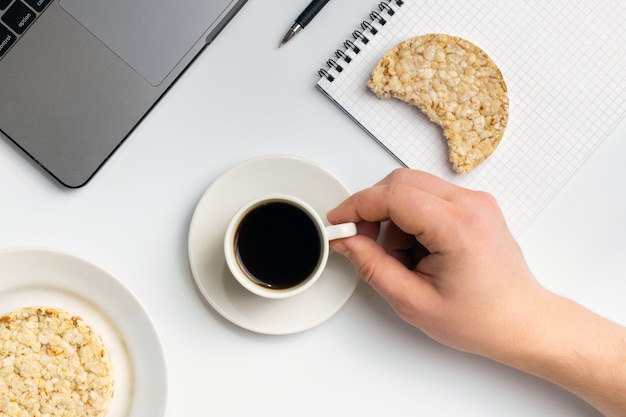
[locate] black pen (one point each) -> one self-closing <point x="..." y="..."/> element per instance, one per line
<point x="304" y="19"/>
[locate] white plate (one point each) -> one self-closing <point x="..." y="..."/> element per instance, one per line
<point x="256" y="177"/>
<point x="43" y="277"/>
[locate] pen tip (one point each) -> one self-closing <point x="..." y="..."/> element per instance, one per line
<point x="286" y="38"/>
<point x="293" y="30"/>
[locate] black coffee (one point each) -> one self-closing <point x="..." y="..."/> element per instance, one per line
<point x="278" y="245"/>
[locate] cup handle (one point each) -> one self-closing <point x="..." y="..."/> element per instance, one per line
<point x="339" y="231"/>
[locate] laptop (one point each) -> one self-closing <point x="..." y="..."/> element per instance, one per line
<point x="76" y="76"/>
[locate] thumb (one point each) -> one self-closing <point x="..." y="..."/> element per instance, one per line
<point x="399" y="285"/>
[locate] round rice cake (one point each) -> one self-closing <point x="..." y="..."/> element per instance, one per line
<point x="52" y="364"/>
<point x="456" y="84"/>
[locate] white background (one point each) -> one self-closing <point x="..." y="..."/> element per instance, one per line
<point x="243" y="98"/>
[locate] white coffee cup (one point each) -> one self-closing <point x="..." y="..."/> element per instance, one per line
<point x="277" y="246"/>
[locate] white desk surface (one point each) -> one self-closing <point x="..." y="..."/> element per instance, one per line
<point x="244" y="98"/>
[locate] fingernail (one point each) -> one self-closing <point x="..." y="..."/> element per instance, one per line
<point x="339" y="247"/>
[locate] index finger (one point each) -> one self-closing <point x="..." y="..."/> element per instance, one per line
<point x="428" y="217"/>
<point x="422" y="181"/>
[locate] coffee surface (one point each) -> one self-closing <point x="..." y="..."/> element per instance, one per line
<point x="278" y="245"/>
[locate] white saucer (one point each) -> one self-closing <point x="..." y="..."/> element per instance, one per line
<point x="32" y="277"/>
<point x="256" y="177"/>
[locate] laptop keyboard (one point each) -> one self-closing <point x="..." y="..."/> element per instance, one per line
<point x="16" y="16"/>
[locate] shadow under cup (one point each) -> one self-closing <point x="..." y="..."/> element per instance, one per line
<point x="278" y="246"/>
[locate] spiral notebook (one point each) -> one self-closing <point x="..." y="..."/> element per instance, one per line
<point x="563" y="63"/>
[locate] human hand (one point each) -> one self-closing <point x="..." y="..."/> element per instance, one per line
<point x="448" y="263"/>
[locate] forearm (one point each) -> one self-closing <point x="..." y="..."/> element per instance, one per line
<point x="576" y="349"/>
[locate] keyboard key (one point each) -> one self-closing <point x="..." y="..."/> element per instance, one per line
<point x="6" y="39"/>
<point x="38" y="5"/>
<point x="4" y="4"/>
<point x="18" y="17"/>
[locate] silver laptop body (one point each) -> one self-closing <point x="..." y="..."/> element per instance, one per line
<point x="83" y="73"/>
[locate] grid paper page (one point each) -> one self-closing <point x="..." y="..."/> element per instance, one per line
<point x="564" y="65"/>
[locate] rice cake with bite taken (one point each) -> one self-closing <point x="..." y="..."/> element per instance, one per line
<point x="456" y="85"/>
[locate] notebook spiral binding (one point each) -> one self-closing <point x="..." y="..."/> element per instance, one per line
<point x="378" y="18"/>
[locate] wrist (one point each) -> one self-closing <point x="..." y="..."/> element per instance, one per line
<point x="570" y="346"/>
